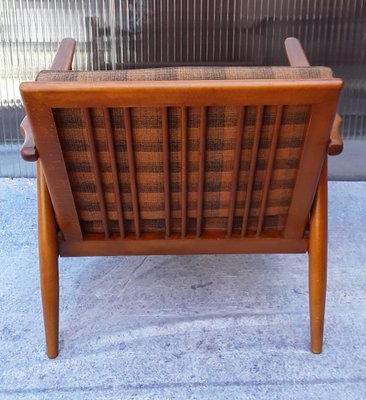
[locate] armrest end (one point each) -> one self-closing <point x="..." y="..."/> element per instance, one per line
<point x="336" y="143"/>
<point x="295" y="53"/>
<point x="28" y="150"/>
<point x="64" y="56"/>
<point x="62" y="61"/>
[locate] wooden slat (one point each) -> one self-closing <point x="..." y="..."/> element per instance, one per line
<point x="268" y="176"/>
<point x="201" y="169"/>
<point x="87" y="122"/>
<point x="132" y="169"/>
<point x="236" y="166"/>
<point x="112" y="155"/>
<point x="208" y="243"/>
<point x="184" y="153"/>
<point x="165" y="131"/>
<point x="253" y="162"/>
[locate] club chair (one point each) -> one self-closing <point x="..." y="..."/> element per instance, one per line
<point x="182" y="160"/>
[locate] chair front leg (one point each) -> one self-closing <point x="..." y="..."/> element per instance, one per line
<point x="318" y="249"/>
<point x="48" y="264"/>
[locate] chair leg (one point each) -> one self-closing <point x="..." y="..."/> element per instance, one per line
<point x="48" y="264"/>
<point x="318" y="261"/>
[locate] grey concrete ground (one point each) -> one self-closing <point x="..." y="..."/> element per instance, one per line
<point x="350" y="165"/>
<point x="188" y="327"/>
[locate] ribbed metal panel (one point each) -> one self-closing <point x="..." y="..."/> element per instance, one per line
<point x="134" y="33"/>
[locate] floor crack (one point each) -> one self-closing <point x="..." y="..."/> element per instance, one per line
<point x="133" y="274"/>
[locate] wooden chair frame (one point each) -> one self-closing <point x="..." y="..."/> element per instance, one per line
<point x="54" y="191"/>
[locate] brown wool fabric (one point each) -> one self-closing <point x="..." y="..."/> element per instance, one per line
<point x="189" y="73"/>
<point x="221" y="139"/>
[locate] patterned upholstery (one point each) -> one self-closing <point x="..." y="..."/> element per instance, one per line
<point x="221" y="138"/>
<point x="190" y="73"/>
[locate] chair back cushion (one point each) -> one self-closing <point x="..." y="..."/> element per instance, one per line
<point x="188" y="169"/>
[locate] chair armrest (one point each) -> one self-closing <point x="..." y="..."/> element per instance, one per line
<point x="28" y="150"/>
<point x="64" y="56"/>
<point x="61" y="62"/>
<point x="295" y="53"/>
<point x="297" y="58"/>
<point x="336" y="142"/>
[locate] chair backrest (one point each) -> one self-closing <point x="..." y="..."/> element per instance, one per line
<point x="182" y="152"/>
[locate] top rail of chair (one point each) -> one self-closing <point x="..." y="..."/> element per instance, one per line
<point x="179" y="93"/>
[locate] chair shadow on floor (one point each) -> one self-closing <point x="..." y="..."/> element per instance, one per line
<point x="134" y="299"/>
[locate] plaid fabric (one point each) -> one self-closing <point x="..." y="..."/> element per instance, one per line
<point x="221" y="138"/>
<point x="189" y="73"/>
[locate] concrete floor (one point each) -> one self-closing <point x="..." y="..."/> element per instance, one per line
<point x="350" y="165"/>
<point x="188" y="327"/>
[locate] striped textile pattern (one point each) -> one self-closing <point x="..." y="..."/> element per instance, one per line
<point x="189" y="73"/>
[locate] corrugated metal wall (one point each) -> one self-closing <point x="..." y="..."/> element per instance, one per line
<point x="134" y="33"/>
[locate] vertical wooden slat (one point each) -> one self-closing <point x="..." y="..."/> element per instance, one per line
<point x="268" y="176"/>
<point x="201" y="169"/>
<point x="253" y="162"/>
<point x="87" y="122"/>
<point x="184" y="152"/>
<point x="112" y="155"/>
<point x="234" y="181"/>
<point x="132" y="169"/>
<point x="165" y="131"/>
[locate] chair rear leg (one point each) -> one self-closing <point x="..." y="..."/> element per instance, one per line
<point x="318" y="261"/>
<point x="48" y="263"/>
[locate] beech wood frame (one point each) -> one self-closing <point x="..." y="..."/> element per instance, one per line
<point x="41" y="97"/>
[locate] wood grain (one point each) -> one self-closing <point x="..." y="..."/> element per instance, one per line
<point x="113" y="160"/>
<point x="236" y="167"/>
<point x="318" y="245"/>
<point x="201" y="169"/>
<point x="252" y="169"/>
<point x="184" y="155"/>
<point x="48" y="264"/>
<point x="132" y="170"/>
<point x="166" y="169"/>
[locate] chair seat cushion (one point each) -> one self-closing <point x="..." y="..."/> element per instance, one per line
<point x="190" y="73"/>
